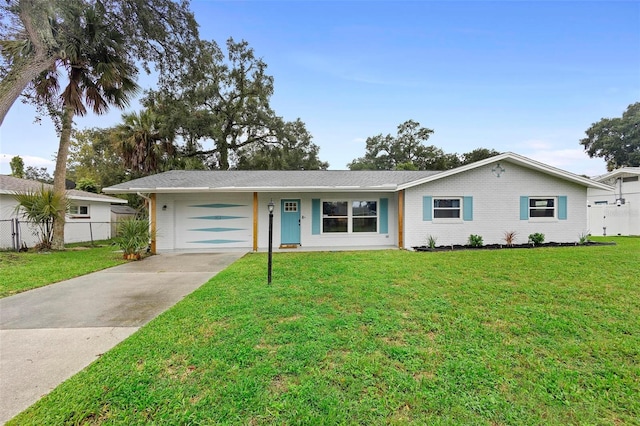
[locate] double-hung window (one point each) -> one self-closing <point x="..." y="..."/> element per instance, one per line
<point x="542" y="207"/>
<point x="335" y="216"/>
<point x="364" y="216"/>
<point x="349" y="216"/>
<point x="446" y="208"/>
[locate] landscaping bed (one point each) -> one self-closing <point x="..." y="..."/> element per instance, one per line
<point x="454" y="247"/>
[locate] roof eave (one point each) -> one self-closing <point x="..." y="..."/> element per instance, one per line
<point x="182" y="190"/>
<point x="517" y="159"/>
<point x="110" y="200"/>
<point x="630" y="171"/>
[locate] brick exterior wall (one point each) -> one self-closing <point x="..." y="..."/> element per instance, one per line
<point x="496" y="207"/>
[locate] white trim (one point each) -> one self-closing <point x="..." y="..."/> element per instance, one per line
<point x="516" y="159"/>
<point x="109" y="200"/>
<point x="632" y="171"/>
<point x="113" y="200"/>
<point x="288" y="189"/>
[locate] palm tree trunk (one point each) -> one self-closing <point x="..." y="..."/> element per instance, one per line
<point x="60" y="175"/>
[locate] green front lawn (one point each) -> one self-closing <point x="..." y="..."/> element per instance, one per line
<point x="24" y="271"/>
<point x="540" y="336"/>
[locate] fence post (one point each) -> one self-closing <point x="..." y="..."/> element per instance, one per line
<point x="91" y="233"/>
<point x="13" y="234"/>
<point x="16" y="243"/>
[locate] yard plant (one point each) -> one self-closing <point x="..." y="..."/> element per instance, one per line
<point x="546" y="336"/>
<point x="536" y="238"/>
<point x="42" y="209"/>
<point x="475" y="240"/>
<point x="133" y="236"/>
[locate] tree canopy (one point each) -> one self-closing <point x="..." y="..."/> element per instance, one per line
<point x="616" y="140"/>
<point x="293" y="150"/>
<point x="17" y="167"/>
<point x="37" y="33"/>
<point x="408" y="151"/>
<point x="220" y="108"/>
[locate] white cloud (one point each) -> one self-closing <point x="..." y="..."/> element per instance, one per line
<point x="359" y="140"/>
<point x="29" y="160"/>
<point x="572" y="160"/>
<point x="537" y="144"/>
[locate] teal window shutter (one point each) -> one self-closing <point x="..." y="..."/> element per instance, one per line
<point x="384" y="215"/>
<point x="524" y="208"/>
<point x="562" y="207"/>
<point x="467" y="208"/>
<point x="315" y="216"/>
<point x="427" y="208"/>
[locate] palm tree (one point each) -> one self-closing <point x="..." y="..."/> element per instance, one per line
<point x="42" y="209"/>
<point x="99" y="75"/>
<point x="142" y="144"/>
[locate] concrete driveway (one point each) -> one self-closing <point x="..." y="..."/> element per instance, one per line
<point x="50" y="333"/>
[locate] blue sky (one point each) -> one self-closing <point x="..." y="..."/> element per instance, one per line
<point x="527" y="77"/>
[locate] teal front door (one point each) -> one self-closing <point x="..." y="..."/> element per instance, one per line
<point x="290" y="222"/>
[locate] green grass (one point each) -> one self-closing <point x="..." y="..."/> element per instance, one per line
<point x="517" y="337"/>
<point x="24" y="271"/>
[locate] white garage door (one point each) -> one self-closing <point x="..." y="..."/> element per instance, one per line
<point x="214" y="222"/>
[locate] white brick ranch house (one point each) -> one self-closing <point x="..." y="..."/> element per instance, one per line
<point x="208" y="210"/>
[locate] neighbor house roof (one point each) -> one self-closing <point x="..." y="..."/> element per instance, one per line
<point x="621" y="172"/>
<point x="10" y="185"/>
<point x="319" y="180"/>
<point x="123" y="210"/>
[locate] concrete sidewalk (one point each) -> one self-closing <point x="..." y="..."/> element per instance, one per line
<point x="50" y="333"/>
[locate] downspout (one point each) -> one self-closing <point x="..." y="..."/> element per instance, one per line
<point x="152" y="219"/>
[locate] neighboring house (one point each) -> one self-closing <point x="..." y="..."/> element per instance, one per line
<point x="88" y="218"/>
<point x="204" y="210"/>
<point x="616" y="211"/>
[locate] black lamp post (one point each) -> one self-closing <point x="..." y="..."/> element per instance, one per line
<point x="271" y="205"/>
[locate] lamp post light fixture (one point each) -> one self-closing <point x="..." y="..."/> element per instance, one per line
<point x="271" y="205"/>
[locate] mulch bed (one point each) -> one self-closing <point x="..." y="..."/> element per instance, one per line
<point x="454" y="247"/>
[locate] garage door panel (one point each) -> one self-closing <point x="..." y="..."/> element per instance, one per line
<point x="223" y="223"/>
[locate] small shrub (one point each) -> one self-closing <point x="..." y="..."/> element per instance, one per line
<point x="536" y="239"/>
<point x="431" y="241"/>
<point x="475" y="240"/>
<point x="584" y="238"/>
<point x="510" y="237"/>
<point x="133" y="237"/>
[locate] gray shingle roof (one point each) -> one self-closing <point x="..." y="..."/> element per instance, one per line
<point x="11" y="185"/>
<point x="257" y="180"/>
